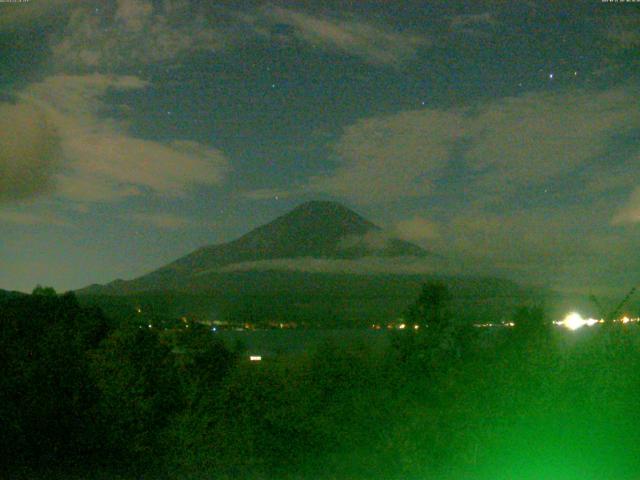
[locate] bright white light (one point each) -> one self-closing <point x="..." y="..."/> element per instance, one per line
<point x="574" y="321"/>
<point x="255" y="358"/>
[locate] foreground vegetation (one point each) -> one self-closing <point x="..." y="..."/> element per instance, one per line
<point x="84" y="396"/>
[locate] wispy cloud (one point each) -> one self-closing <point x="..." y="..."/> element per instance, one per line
<point x="128" y="33"/>
<point x="393" y="156"/>
<point x="630" y="213"/>
<point x="19" y="217"/>
<point x="167" y="221"/>
<point x="100" y="160"/>
<point x="417" y="229"/>
<point x="473" y="24"/>
<point x="16" y="16"/>
<point x="364" y="266"/>
<point x="376" y="44"/>
<point x="504" y="146"/>
<point x="30" y="152"/>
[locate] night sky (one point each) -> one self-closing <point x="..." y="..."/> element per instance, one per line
<point x="504" y="136"/>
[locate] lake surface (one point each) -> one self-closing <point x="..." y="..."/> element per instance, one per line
<point x="287" y="341"/>
<point x="267" y="343"/>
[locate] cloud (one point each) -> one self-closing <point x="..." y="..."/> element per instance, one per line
<point x="537" y="137"/>
<point x="473" y="24"/>
<point x="630" y="213"/>
<point x="364" y="266"/>
<point x="417" y="229"/>
<point x="392" y="156"/>
<point x="29" y="15"/>
<point x="18" y="217"/>
<point x="499" y="148"/>
<point x="133" y="14"/>
<point x="373" y="43"/>
<point x="161" y="220"/>
<point x="100" y="159"/>
<point x="129" y="33"/>
<point x="516" y="239"/>
<point x="559" y="247"/>
<point x="30" y="152"/>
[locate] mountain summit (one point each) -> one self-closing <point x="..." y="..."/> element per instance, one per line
<point x="316" y="229"/>
<point x="325" y="230"/>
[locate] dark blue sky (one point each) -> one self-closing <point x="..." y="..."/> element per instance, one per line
<point x="503" y="135"/>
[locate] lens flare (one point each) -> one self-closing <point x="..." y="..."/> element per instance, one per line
<point x="574" y="321"/>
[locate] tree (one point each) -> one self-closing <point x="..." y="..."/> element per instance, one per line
<point x="44" y="291"/>
<point x="430" y="307"/>
<point x="203" y="363"/>
<point x="138" y="391"/>
<point x="529" y="320"/>
<point x="433" y="347"/>
<point x="46" y="395"/>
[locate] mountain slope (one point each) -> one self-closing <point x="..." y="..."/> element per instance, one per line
<point x="314" y="229"/>
<point x="320" y="230"/>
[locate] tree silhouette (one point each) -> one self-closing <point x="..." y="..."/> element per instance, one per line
<point x="530" y="320"/>
<point x="430" y="307"/>
<point x="44" y="291"/>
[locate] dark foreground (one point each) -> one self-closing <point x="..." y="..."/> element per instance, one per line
<point x="84" y="396"/>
